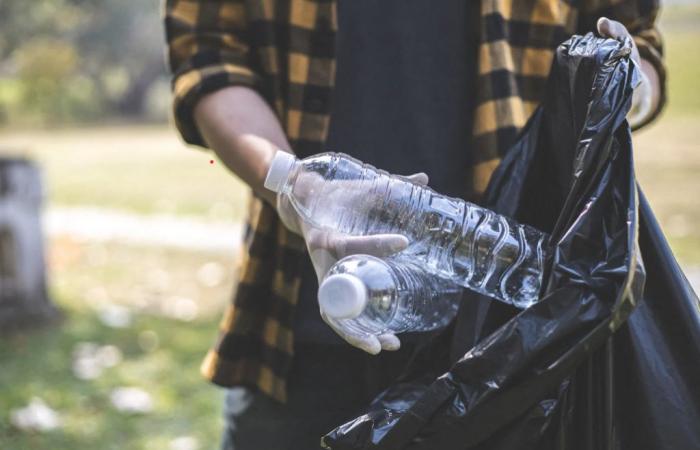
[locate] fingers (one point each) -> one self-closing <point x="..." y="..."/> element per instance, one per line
<point x="322" y="260"/>
<point x="327" y="247"/>
<point x="341" y="245"/>
<point x="615" y="30"/>
<point x="418" y="178"/>
<point x="611" y="28"/>
<point x="368" y="343"/>
<point x="378" y="245"/>
<point x="389" y="342"/>
<point x="363" y="341"/>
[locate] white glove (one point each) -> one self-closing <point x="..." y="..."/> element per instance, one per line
<point x="326" y="247"/>
<point x="643" y="96"/>
<point x="641" y="102"/>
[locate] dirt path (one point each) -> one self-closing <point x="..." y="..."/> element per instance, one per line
<point x="106" y="225"/>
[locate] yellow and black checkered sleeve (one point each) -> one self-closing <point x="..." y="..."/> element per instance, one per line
<point x="207" y="50"/>
<point x="639" y="16"/>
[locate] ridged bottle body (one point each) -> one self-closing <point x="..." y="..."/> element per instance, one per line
<point x="454" y="239"/>
<point x="401" y="295"/>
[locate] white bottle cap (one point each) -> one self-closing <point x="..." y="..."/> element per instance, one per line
<point x="279" y="170"/>
<point x="342" y="296"/>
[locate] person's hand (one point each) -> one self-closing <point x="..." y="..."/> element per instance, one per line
<point x="647" y="93"/>
<point x="346" y="192"/>
<point x="326" y="247"/>
<point x="615" y="30"/>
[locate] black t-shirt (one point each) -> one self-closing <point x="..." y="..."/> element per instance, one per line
<point x="403" y="102"/>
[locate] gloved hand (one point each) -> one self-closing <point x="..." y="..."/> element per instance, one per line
<point x="645" y="94"/>
<point x="326" y="247"/>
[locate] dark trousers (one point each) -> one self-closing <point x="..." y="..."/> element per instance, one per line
<point x="328" y="385"/>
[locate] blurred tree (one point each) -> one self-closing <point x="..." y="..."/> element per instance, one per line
<point x="78" y="59"/>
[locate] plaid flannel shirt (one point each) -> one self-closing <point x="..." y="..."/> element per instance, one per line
<point x="284" y="49"/>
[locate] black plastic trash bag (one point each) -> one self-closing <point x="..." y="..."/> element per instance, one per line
<point x="582" y="369"/>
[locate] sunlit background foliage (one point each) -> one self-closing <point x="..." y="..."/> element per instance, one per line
<point x="76" y="60"/>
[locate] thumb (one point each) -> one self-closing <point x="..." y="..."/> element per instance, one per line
<point x="378" y="245"/>
<point x="389" y="342"/>
<point x="611" y="28"/>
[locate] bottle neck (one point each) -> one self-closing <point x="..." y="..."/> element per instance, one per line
<point x="287" y="185"/>
<point x="279" y="172"/>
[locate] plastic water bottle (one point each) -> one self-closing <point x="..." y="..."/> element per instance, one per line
<point x="454" y="239"/>
<point x="376" y="296"/>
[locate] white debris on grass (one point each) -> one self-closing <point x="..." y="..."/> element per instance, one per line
<point x="90" y="359"/>
<point x="85" y="365"/>
<point x="86" y="369"/>
<point x="184" y="443"/>
<point x="180" y="308"/>
<point x="131" y="400"/>
<point x="109" y="356"/>
<point x="114" y="316"/>
<point x="37" y="416"/>
<point x="211" y="274"/>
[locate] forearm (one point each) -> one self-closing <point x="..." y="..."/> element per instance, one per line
<point x="243" y="131"/>
<point x="654" y="82"/>
<point x="647" y="95"/>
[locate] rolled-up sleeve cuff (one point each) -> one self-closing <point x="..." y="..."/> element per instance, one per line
<point x="191" y="85"/>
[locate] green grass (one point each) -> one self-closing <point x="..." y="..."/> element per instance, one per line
<point x="39" y="363"/>
<point x="680" y="25"/>
<point x="41" y="366"/>
<point x="143" y="169"/>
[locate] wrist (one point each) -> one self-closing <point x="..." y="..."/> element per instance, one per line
<point x="645" y="99"/>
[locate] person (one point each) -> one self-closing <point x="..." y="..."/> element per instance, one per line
<point x="435" y="89"/>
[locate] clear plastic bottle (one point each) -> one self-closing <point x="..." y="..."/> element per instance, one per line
<point x="393" y="295"/>
<point x="472" y="246"/>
